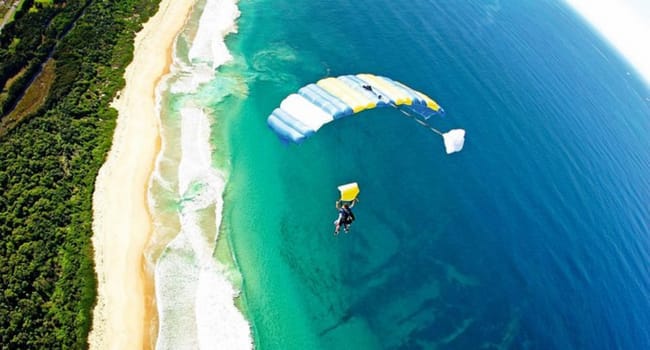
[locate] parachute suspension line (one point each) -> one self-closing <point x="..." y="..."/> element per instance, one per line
<point x="408" y="115"/>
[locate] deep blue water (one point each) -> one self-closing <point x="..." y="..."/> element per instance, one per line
<point x="536" y="235"/>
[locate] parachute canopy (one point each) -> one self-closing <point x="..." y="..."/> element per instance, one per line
<point x="349" y="191"/>
<point x="301" y="114"/>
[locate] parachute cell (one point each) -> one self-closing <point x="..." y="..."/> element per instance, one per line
<point x="329" y="103"/>
<point x="308" y="113"/>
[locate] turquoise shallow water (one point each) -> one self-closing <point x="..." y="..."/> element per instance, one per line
<point x="535" y="236"/>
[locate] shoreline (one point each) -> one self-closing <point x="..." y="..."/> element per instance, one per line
<point x="195" y="299"/>
<point x="125" y="312"/>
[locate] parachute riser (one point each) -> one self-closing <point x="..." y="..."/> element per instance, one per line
<point x="419" y="121"/>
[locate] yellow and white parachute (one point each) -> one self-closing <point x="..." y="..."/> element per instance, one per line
<point x="301" y="114"/>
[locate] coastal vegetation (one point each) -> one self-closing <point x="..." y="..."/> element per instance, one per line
<point x="61" y="64"/>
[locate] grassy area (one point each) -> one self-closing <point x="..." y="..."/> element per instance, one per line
<point x="39" y="4"/>
<point x="7" y="10"/>
<point x="33" y="99"/>
<point x="4" y="93"/>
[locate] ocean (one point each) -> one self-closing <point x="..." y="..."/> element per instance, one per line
<point x="535" y="236"/>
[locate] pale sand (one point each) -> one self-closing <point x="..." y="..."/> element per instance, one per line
<point x="122" y="226"/>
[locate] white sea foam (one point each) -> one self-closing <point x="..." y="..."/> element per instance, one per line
<point x="208" y="49"/>
<point x="195" y="147"/>
<point x="195" y="297"/>
<point x="625" y="24"/>
<point x="217" y="21"/>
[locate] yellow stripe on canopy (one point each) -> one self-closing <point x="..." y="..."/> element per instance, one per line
<point x="352" y="98"/>
<point x="393" y="93"/>
<point x="430" y="102"/>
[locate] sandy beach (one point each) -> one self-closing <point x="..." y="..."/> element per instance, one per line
<point x="121" y="221"/>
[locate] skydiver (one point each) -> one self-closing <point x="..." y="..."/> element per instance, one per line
<point x="369" y="88"/>
<point x="346" y="216"/>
